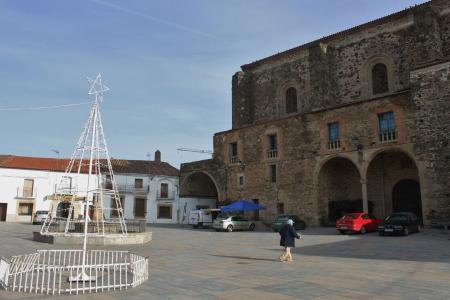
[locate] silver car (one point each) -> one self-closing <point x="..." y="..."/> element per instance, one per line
<point x="39" y="216"/>
<point x="231" y="223"/>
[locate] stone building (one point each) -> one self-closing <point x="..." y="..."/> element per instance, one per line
<point x="356" y="120"/>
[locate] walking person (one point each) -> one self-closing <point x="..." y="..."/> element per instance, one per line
<point x="287" y="240"/>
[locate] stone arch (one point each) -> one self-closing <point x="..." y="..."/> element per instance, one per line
<point x="339" y="188"/>
<point x="367" y="75"/>
<point x="385" y="169"/>
<point x="199" y="184"/>
<point x="62" y="209"/>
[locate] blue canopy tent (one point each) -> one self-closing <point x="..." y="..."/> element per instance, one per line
<point x="242" y="205"/>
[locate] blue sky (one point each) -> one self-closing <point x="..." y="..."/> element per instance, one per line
<point x="168" y="63"/>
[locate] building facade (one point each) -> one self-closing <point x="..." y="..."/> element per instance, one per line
<point x="358" y="120"/>
<point x="148" y="189"/>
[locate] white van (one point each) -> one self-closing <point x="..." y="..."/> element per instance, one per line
<point x="203" y="217"/>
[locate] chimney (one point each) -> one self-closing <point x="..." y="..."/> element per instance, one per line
<point x="158" y="156"/>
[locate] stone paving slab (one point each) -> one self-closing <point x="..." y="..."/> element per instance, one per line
<point x="204" y="264"/>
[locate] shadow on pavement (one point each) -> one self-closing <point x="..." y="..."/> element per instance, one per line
<point x="244" y="257"/>
<point x="417" y="247"/>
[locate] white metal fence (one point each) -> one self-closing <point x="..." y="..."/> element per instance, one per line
<point x="48" y="271"/>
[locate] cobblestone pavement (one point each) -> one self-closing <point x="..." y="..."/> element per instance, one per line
<point x="204" y="264"/>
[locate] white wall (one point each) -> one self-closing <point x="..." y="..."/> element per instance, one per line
<point x="45" y="181"/>
<point x="153" y="196"/>
<point x="44" y="186"/>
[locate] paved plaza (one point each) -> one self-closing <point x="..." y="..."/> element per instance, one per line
<point x="204" y="264"/>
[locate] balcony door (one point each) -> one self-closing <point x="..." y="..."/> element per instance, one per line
<point x="28" y="185"/>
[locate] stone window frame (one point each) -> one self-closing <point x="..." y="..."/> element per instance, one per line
<point x="341" y="119"/>
<point x="294" y="104"/>
<point x="233" y="159"/>
<point x="165" y="205"/>
<point x="367" y="75"/>
<point x="240" y="176"/>
<point x="273" y="172"/>
<point x="284" y="87"/>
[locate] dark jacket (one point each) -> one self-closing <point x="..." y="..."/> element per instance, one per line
<point x="288" y="235"/>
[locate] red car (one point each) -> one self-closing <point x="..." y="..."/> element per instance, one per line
<point x="357" y="222"/>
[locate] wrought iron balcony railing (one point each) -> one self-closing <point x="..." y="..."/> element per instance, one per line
<point x="26" y="192"/>
<point x="129" y="188"/>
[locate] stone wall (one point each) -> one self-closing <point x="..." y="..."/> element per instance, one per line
<point x="431" y="95"/>
<point x="335" y="70"/>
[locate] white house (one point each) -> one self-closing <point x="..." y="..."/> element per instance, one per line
<point x="148" y="189"/>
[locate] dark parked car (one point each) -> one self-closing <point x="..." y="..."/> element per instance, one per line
<point x="282" y="219"/>
<point x="400" y="223"/>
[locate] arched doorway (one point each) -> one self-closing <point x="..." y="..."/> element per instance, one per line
<point x="339" y="190"/>
<point x="406" y="197"/>
<point x="63" y="209"/>
<point x="393" y="183"/>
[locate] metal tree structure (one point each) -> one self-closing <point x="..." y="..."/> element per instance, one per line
<point x="72" y="271"/>
<point x="90" y="156"/>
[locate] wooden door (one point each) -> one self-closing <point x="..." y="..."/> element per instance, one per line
<point x="3" y="207"/>
<point x="140" y="207"/>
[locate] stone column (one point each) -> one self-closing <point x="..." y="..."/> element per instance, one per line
<point x="364" y="195"/>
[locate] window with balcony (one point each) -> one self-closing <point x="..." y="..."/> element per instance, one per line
<point x="387" y="126"/>
<point x="273" y="173"/>
<point x="28" y="186"/>
<point x="234" y="153"/>
<point x="334" y="141"/>
<point x="272" y="152"/>
<point x="164" y="190"/>
<point x="139" y="183"/>
<point x="108" y="182"/>
<point x="291" y="100"/>
<point x="66" y="184"/>
<point x="165" y="211"/>
<point x="380" y="82"/>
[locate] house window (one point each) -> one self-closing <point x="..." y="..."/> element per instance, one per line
<point x="333" y="136"/>
<point x="108" y="182"/>
<point x="387" y="126"/>
<point x="66" y="184"/>
<point x="273" y="173"/>
<point x="272" y="152"/>
<point x="291" y="100"/>
<point x="138" y="183"/>
<point x="114" y="208"/>
<point x="241" y="180"/>
<point x="164" y="211"/>
<point x="164" y="190"/>
<point x="379" y="79"/>
<point x="140" y="207"/>
<point x="25" y="209"/>
<point x="28" y="185"/>
<point x="234" y="153"/>
<point x="280" y="208"/>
